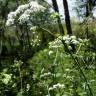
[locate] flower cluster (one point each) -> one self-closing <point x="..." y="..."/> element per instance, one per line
<point x="55" y="44"/>
<point x="17" y="63"/>
<point x="36" y="41"/>
<point x="54" y="15"/>
<point x="24" y="17"/>
<point x="7" y="78"/>
<point x="11" y="18"/>
<point x="34" y="6"/>
<point x="56" y="86"/>
<point x="24" y="12"/>
<point x="50" y="52"/>
<point x="46" y="74"/>
<point x="28" y="87"/>
<point x="21" y="8"/>
<point x="94" y="12"/>
<point x="66" y="39"/>
<point x="33" y="28"/>
<point x="71" y="40"/>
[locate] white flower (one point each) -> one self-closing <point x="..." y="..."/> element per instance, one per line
<point x="10" y="22"/>
<point x="65" y="37"/>
<point x="80" y="40"/>
<point x="94" y="12"/>
<point x="7" y="78"/>
<point x="69" y="47"/>
<point x="55" y="44"/>
<point x="21" y="8"/>
<point x="28" y="11"/>
<point x="70" y="39"/>
<point x="67" y="70"/>
<point x="28" y="87"/>
<point x="67" y="42"/>
<point x="50" y="52"/>
<point x="33" y="28"/>
<point x="35" y="6"/>
<point x="11" y="15"/>
<point x="23" y="18"/>
<point x="51" y="88"/>
<point x="56" y="86"/>
<point x="73" y="37"/>
<point x="46" y="74"/>
<point x="75" y="42"/>
<point x="60" y="85"/>
<point x="23" y="12"/>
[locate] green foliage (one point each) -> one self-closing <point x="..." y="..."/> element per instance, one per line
<point x="57" y="66"/>
<point x="41" y="62"/>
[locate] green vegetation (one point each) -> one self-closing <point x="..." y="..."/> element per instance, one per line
<point x="36" y="60"/>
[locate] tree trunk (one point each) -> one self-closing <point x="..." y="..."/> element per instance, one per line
<point x="56" y="9"/>
<point x="87" y="14"/>
<point x="67" y="17"/>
